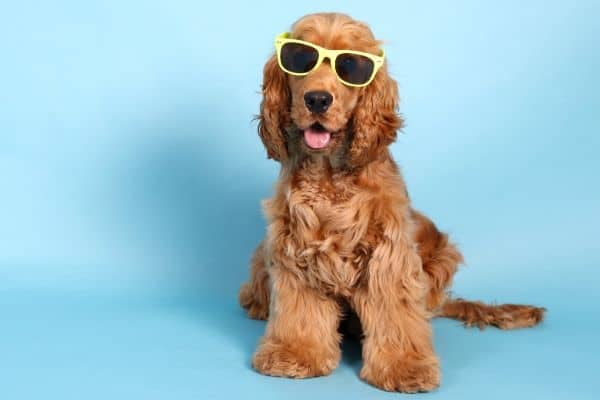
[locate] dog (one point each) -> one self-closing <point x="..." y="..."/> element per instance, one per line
<point x="342" y="237"/>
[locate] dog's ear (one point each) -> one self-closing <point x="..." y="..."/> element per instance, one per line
<point x="274" y="110"/>
<point x="375" y="120"/>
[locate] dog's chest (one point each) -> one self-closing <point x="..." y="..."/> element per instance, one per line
<point x="333" y="248"/>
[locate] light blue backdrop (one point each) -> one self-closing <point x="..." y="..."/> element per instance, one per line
<point x="131" y="174"/>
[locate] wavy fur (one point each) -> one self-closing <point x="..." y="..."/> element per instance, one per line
<point x="342" y="234"/>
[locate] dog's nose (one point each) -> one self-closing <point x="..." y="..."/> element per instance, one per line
<point x="318" y="101"/>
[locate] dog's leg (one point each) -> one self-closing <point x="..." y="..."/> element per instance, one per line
<point x="301" y="338"/>
<point x="439" y="257"/>
<point x="254" y="294"/>
<point x="440" y="260"/>
<point x="398" y="352"/>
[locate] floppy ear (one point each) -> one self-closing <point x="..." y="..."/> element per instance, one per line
<point x="274" y="110"/>
<point x="375" y="119"/>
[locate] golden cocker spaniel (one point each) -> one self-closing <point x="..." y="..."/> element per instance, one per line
<point x="342" y="235"/>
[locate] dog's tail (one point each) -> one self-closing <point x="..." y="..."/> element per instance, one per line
<point x="503" y="316"/>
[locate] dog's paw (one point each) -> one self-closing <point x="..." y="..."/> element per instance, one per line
<point x="292" y="360"/>
<point x="256" y="309"/>
<point x="403" y="375"/>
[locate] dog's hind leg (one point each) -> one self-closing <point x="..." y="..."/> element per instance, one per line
<point x="439" y="257"/>
<point x="440" y="260"/>
<point x="254" y="295"/>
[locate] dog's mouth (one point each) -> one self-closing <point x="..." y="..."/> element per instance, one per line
<point x="317" y="136"/>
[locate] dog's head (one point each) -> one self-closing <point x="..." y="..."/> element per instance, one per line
<point x="317" y="114"/>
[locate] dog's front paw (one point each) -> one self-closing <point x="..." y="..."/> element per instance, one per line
<point x="294" y="360"/>
<point x="403" y="375"/>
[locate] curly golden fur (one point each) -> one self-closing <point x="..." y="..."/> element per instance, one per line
<point x="342" y="235"/>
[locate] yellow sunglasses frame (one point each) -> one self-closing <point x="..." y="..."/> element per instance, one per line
<point x="324" y="53"/>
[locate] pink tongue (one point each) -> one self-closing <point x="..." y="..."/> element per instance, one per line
<point x="316" y="139"/>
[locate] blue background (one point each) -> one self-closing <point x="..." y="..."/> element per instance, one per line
<point x="131" y="174"/>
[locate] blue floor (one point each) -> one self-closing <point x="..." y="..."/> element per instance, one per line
<point x="142" y="347"/>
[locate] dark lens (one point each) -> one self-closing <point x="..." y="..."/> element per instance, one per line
<point x="354" y="68"/>
<point x="296" y="57"/>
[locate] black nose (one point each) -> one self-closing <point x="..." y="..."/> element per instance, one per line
<point x="318" y="101"/>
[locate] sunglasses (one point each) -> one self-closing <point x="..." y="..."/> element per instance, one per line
<point x="300" y="58"/>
